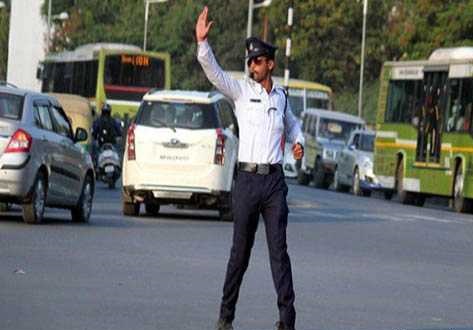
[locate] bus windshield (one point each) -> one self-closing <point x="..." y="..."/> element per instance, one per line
<point x="129" y="77"/>
<point x="335" y="129"/>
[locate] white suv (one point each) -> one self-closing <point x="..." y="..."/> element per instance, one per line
<point x="181" y="149"/>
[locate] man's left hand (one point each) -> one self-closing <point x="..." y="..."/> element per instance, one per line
<point x="298" y="151"/>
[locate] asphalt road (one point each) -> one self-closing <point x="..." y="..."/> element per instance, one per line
<point x="359" y="263"/>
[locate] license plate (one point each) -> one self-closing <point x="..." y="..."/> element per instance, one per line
<point x="109" y="169"/>
<point x="172" y="194"/>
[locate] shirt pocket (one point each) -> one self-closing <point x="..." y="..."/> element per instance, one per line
<point x="255" y="116"/>
<point x="278" y="122"/>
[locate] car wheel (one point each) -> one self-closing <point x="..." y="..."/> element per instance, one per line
<point x="336" y="182"/>
<point x="81" y="212"/>
<point x="460" y="203"/>
<point x="388" y="195"/>
<point x="320" y="179"/>
<point x="302" y="178"/>
<point x="34" y="210"/>
<point x="355" y="186"/>
<point x="225" y="214"/>
<point x="152" y="208"/>
<point x="131" y="209"/>
<point x="405" y="197"/>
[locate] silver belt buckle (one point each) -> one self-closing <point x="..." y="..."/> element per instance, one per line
<point x="263" y="169"/>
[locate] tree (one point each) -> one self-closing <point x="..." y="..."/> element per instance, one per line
<point x="4" y="29"/>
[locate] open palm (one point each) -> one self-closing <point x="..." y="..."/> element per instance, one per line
<point x="202" y="27"/>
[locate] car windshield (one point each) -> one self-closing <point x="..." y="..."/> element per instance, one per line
<point x="177" y="115"/>
<point x="367" y="142"/>
<point x="10" y="106"/>
<point x="335" y="129"/>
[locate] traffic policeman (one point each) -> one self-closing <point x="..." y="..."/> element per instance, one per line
<point x="264" y="117"/>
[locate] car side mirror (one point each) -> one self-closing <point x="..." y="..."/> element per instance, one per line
<point x="40" y="74"/>
<point x="351" y="147"/>
<point x="81" y="135"/>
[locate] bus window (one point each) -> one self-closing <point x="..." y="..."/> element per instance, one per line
<point x="317" y="103"/>
<point x="297" y="104"/>
<point x="460" y="105"/>
<point x="129" y="77"/>
<point x="85" y="78"/>
<point x="405" y="100"/>
<point x="312" y="125"/>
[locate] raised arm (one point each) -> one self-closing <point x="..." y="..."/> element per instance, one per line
<point x="219" y="78"/>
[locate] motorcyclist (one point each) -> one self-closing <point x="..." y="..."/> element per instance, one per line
<point x="105" y="129"/>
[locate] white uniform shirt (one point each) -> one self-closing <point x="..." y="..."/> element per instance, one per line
<point x="261" y="117"/>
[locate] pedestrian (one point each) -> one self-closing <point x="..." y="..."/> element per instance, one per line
<point x="264" y="116"/>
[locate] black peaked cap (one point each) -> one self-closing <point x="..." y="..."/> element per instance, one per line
<point x="257" y="47"/>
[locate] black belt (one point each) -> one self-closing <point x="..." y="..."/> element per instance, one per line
<point x="263" y="169"/>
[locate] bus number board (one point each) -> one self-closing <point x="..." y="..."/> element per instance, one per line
<point x="135" y="60"/>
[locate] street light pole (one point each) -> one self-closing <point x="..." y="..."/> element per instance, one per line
<point x="249" y="29"/>
<point x="145" y="37"/>
<point x="362" y="66"/>
<point x="290" y="16"/>
<point x="48" y="35"/>
<point x="251" y="6"/>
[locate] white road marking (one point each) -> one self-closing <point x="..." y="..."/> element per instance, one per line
<point x="307" y="212"/>
<point x="427" y="218"/>
<point x="387" y="217"/>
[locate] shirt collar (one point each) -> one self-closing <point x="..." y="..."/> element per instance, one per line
<point x="260" y="89"/>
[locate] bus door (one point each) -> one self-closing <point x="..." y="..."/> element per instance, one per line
<point x="431" y="119"/>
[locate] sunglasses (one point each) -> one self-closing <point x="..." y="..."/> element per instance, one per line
<point x="256" y="60"/>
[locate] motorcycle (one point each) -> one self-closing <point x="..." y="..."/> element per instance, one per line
<point x="108" y="165"/>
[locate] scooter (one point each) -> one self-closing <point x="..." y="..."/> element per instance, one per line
<point x="108" y="165"/>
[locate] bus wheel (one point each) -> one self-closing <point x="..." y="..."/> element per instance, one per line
<point x="405" y="197"/>
<point x="460" y="203"/>
<point x="419" y="200"/>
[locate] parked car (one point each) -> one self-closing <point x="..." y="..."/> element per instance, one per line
<point x="354" y="169"/>
<point x="325" y="132"/>
<point x="41" y="163"/>
<point x="181" y="149"/>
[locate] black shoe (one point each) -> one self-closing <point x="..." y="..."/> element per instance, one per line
<point x="223" y="325"/>
<point x="282" y="326"/>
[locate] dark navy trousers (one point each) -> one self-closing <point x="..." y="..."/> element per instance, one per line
<point x="255" y="194"/>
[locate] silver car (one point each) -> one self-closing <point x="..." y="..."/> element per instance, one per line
<point x="41" y="163"/>
<point x="354" y="169"/>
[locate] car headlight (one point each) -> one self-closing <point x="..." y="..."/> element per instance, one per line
<point x="329" y="154"/>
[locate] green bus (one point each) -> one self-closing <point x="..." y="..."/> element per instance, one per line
<point x="118" y="74"/>
<point x="424" y="140"/>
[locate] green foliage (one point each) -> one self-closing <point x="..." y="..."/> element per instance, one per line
<point x="326" y="37"/>
<point x="347" y="101"/>
<point x="4" y="26"/>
